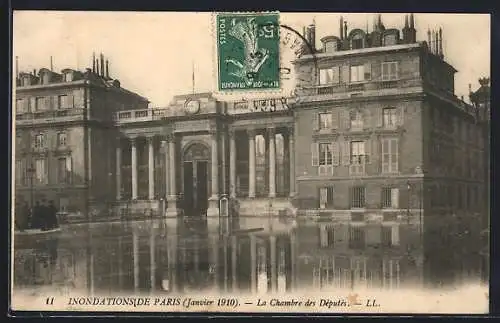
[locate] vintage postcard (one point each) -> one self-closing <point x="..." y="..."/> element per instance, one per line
<point x="261" y="162"/>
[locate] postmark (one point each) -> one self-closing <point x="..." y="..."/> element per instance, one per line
<point x="248" y="51"/>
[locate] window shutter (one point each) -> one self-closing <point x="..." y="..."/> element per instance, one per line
<point x="368" y="71"/>
<point x="32" y="105"/>
<point x="336" y="153"/>
<point x="345" y="74"/>
<point x="400" y="116"/>
<point x="395" y="198"/>
<point x="346" y="154"/>
<point x="376" y="72"/>
<point x="336" y="74"/>
<point x="375" y="153"/>
<point x="368" y="146"/>
<point x="53" y="101"/>
<point x="367" y="118"/>
<point x="71" y="101"/>
<point x="335" y="119"/>
<point x="315" y="121"/>
<point x="315" y="153"/>
<point x="380" y="117"/>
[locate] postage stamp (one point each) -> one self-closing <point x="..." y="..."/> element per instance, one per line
<point x="248" y="51"/>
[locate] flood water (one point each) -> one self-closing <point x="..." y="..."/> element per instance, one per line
<point x="252" y="255"/>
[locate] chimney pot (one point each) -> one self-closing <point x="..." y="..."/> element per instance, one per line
<point x="107" y="69"/>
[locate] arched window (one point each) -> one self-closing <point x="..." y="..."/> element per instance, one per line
<point x="358" y="40"/>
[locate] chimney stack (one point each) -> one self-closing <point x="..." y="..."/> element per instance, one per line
<point x="441" y="54"/>
<point x="107" y="69"/>
<point x="341" y="27"/>
<point x="97" y="66"/>
<point x="412" y="21"/>
<point x="313" y="36"/>
<point x="345" y="29"/>
<point x="102" y="65"/>
<point x="429" y="39"/>
<point x="406" y="22"/>
<point x="93" y="62"/>
<point x="34" y="72"/>
<point x="51" y="64"/>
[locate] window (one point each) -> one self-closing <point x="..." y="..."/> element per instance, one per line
<point x="356" y="238"/>
<point x="330" y="46"/>
<point x="40" y="171"/>
<point x="390" y="40"/>
<point x="325" y="154"/>
<point x="39" y="141"/>
<point x="45" y="78"/>
<point x="325" y="121"/>
<point x="329" y="75"/>
<point x="39" y="104"/>
<point x="61" y="170"/>
<point x="326" y="236"/>
<point x="386" y="236"/>
<point x="358" y="152"/>
<point x="61" y="139"/>
<point x="390" y="198"/>
<point x="389" y="71"/>
<point x="390" y="155"/>
<point x="326" y="197"/>
<point x="26" y="81"/>
<point x="356" y="118"/>
<point x="68" y="77"/>
<point x="19" y="171"/>
<point x="357" y="73"/>
<point x="357" y="197"/>
<point x="389" y="117"/>
<point x="62" y="102"/>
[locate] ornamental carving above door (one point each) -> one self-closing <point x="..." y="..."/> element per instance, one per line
<point x="196" y="151"/>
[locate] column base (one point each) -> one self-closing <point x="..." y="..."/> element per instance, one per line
<point x="213" y="206"/>
<point x="172" y="210"/>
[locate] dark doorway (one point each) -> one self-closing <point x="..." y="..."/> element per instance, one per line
<point x="201" y="185"/>
<point x="188" y="187"/>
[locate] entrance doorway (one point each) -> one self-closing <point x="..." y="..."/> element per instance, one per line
<point x="196" y="180"/>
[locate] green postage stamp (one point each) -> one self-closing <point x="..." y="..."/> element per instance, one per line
<point x="248" y="51"/>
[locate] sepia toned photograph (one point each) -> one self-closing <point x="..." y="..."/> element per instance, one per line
<point x="265" y="162"/>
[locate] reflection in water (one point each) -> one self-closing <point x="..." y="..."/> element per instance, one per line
<point x="255" y="255"/>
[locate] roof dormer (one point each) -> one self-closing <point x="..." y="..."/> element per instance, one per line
<point x="68" y="75"/>
<point x="390" y="37"/>
<point x="357" y="39"/>
<point x="330" y="44"/>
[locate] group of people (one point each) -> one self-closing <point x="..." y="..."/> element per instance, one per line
<point x="42" y="216"/>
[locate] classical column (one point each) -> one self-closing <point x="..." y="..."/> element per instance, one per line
<point x="291" y="160"/>
<point x="165" y="165"/>
<point x="152" y="259"/>
<point x="213" y="208"/>
<point x="232" y="163"/>
<point x="118" y="172"/>
<point x="251" y="163"/>
<point x="172" y="189"/>
<point x="215" y="167"/>
<point x="133" y="142"/>
<point x="272" y="162"/>
<point x="272" y="246"/>
<point x="151" y="165"/>
<point x="234" y="263"/>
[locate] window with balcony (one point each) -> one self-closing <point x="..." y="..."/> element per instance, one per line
<point x="61" y="139"/>
<point x="325" y="121"/>
<point x="389" y="117"/>
<point x="390" y="155"/>
<point x="357" y="73"/>
<point x="329" y="75"/>
<point x="356" y="118"/>
<point x="390" y="71"/>
<point x="325" y="154"/>
<point x="39" y="141"/>
<point x="358" y="155"/>
<point x="41" y="171"/>
<point x="326" y="236"/>
<point x="390" y="198"/>
<point x="357" y="197"/>
<point x="326" y="197"/>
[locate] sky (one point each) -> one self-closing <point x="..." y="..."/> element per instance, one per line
<point x="153" y="53"/>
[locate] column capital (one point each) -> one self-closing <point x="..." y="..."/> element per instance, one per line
<point x="150" y="138"/>
<point x="133" y="140"/>
<point x="169" y="137"/>
<point x="251" y="132"/>
<point x="289" y="130"/>
<point x="271" y="130"/>
<point x="231" y="132"/>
